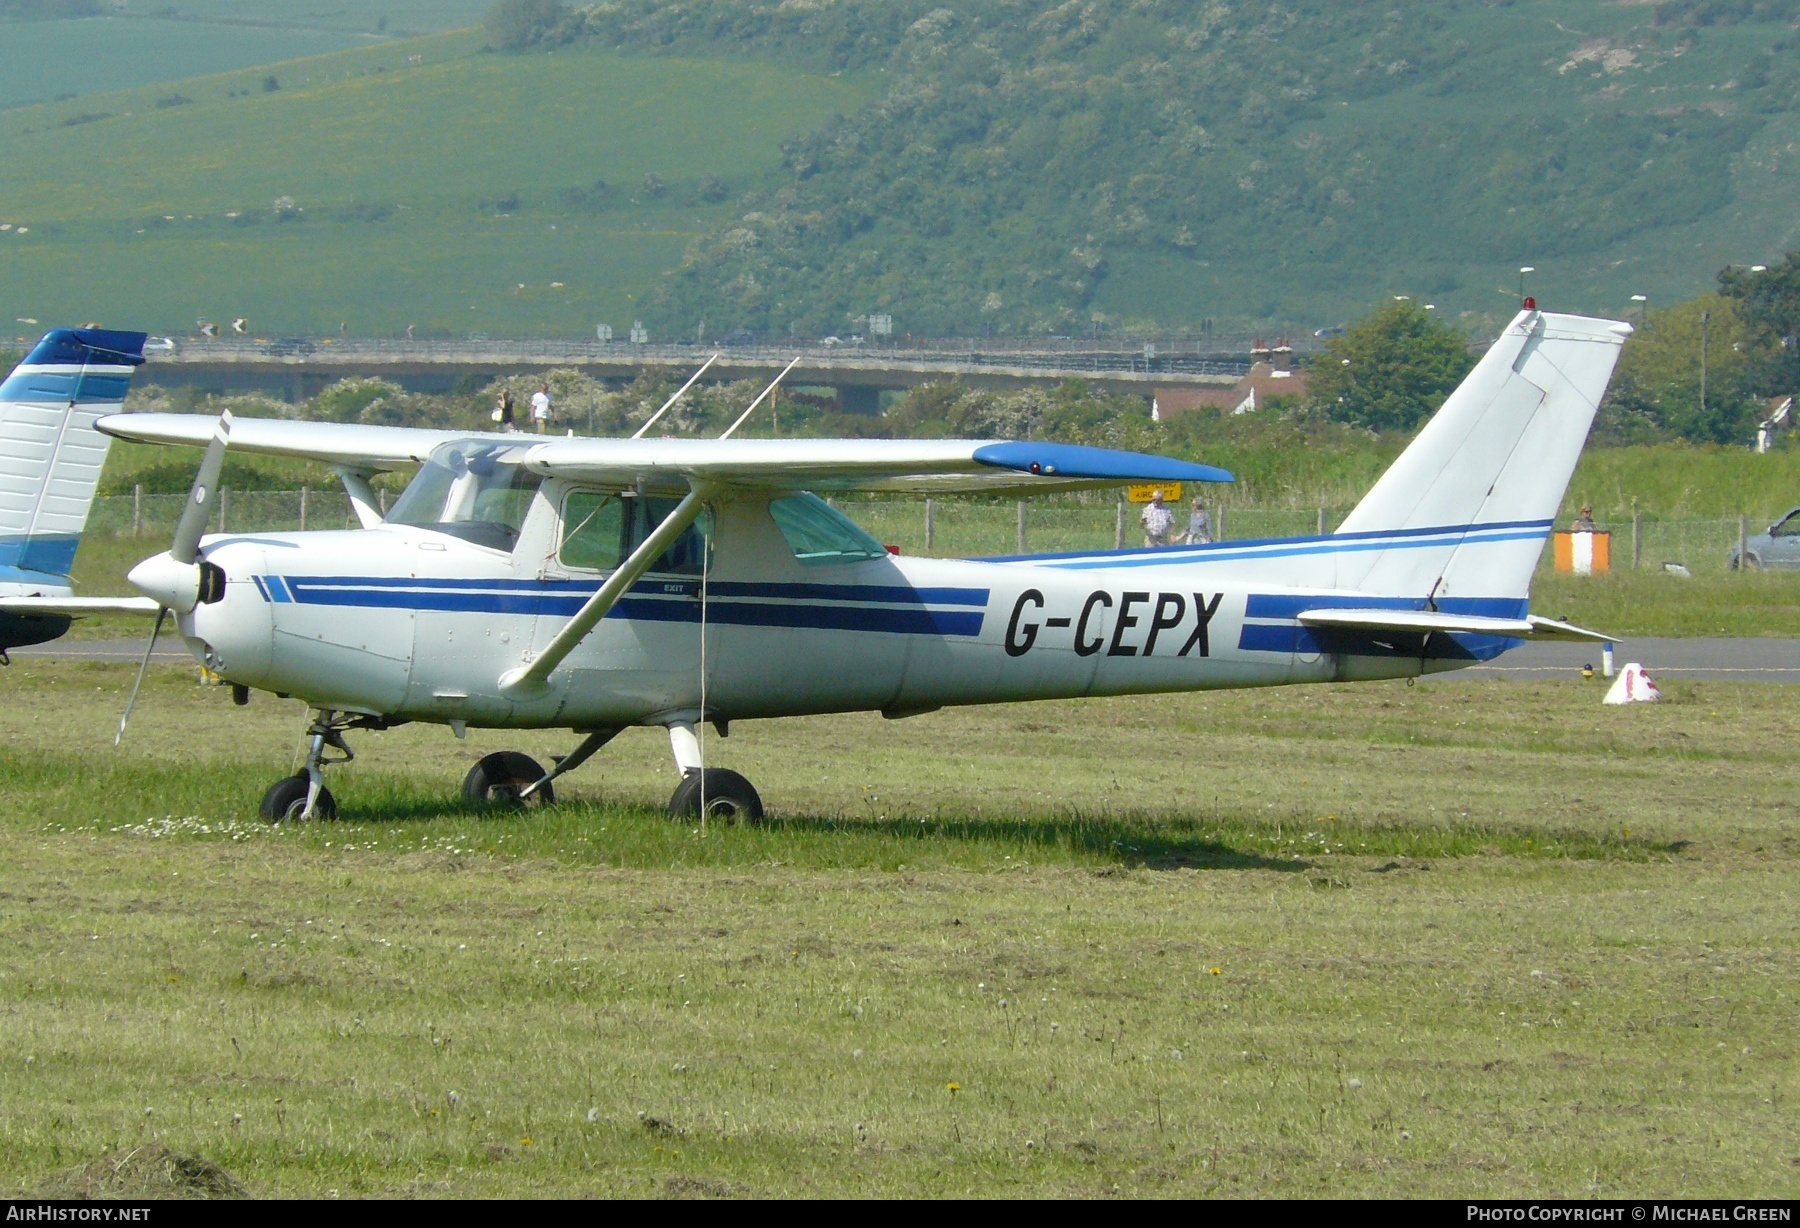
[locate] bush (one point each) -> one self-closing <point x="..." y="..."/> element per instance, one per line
<point x="1390" y="370"/>
<point x="516" y="24"/>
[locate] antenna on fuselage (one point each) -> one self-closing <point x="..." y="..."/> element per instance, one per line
<point x="665" y="408"/>
<point x="759" y="400"/>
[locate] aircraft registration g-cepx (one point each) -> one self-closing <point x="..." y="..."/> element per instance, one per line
<point x="524" y="582"/>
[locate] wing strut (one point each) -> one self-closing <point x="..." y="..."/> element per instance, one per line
<point x="532" y="681"/>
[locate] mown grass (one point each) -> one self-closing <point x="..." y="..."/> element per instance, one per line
<point x="1465" y="938"/>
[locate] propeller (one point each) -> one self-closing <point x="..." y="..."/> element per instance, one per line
<point x="180" y="579"/>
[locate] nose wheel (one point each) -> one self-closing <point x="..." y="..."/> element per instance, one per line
<point x="286" y="800"/>
<point x="304" y="795"/>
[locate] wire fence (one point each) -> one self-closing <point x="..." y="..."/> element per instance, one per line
<point x="942" y="527"/>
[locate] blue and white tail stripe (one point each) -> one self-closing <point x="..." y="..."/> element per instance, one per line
<point x="50" y="453"/>
<point x="895" y="609"/>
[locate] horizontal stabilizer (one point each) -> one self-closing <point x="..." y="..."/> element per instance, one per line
<point x="1419" y="621"/>
<point x="77" y="605"/>
<point x="1554" y="629"/>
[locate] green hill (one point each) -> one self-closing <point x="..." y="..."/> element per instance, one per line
<point x="1155" y="162"/>
<point x="465" y="191"/>
<point x="1004" y="166"/>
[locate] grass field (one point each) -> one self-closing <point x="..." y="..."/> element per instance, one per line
<point x="47" y="60"/>
<point x="1469" y="938"/>
<point x="389" y="165"/>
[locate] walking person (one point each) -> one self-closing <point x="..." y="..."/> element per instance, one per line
<point x="540" y="408"/>
<point x="503" y="410"/>
<point x="1199" y="530"/>
<point x="1158" y="521"/>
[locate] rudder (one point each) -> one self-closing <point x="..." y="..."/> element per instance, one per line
<point x="50" y="453"/>
<point x="1471" y="500"/>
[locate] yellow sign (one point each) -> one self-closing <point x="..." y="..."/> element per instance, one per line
<point x="1171" y="492"/>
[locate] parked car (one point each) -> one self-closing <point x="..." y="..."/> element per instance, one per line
<point x="1779" y="547"/>
<point x="737" y="336"/>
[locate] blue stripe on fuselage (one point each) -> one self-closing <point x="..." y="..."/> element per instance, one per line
<point x="862" y="608"/>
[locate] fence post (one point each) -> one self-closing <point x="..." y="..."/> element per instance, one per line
<point x="1021" y="526"/>
<point x="1637" y="539"/>
<point x="1321" y="522"/>
<point x="383" y="501"/>
<point x="137" y="508"/>
<point x="1219" y="525"/>
<point x="1743" y="542"/>
<point x="222" y="493"/>
<point x="930" y="527"/>
<point x="303" y="509"/>
<point x="1119" y="529"/>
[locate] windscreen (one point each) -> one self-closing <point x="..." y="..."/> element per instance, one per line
<point x="469" y="490"/>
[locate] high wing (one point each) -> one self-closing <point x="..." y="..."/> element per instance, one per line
<point x="331" y="443"/>
<point x="1530" y="627"/>
<point x="922" y="466"/>
<point x="901" y="465"/>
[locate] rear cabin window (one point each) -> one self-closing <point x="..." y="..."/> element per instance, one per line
<point x="818" y="533"/>
<point x="600" y="530"/>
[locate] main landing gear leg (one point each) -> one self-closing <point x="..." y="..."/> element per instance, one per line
<point x="303" y="795"/>
<point x="569" y="762"/>
<point x="718" y="794"/>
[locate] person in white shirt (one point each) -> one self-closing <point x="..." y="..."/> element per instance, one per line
<point x="1158" y="521"/>
<point x="540" y="408"/>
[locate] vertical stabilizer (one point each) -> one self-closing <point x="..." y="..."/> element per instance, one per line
<point x="50" y="453"/>
<point x="1471" y="500"/>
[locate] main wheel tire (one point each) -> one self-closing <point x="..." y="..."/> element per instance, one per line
<point x="286" y="799"/>
<point x="729" y="797"/>
<point x="497" y="780"/>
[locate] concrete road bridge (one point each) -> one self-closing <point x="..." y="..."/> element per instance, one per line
<point x="296" y="369"/>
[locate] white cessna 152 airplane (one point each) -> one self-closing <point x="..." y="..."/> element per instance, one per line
<point x="595" y="584"/>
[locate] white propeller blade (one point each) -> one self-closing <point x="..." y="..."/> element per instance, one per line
<point x="186" y="548"/>
<point x="155" y="630"/>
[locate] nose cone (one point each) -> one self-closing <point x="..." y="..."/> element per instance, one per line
<point x="235" y="634"/>
<point x="162" y="579"/>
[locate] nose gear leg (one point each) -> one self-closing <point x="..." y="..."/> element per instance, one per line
<point x="327" y="732"/>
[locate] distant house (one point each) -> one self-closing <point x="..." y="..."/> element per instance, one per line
<point x="1266" y="379"/>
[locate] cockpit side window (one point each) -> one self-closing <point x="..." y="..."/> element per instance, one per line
<point x="1789" y="527"/>
<point x="600" y="530"/>
<point x="818" y="533"/>
<point x="593" y="536"/>
<point x="469" y="491"/>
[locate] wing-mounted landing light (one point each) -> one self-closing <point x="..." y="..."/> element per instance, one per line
<point x="180" y="579"/>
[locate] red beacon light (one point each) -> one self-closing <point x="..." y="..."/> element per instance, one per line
<point x="1530" y="303"/>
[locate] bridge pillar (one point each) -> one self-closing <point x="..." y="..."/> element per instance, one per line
<point x="859" y="399"/>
